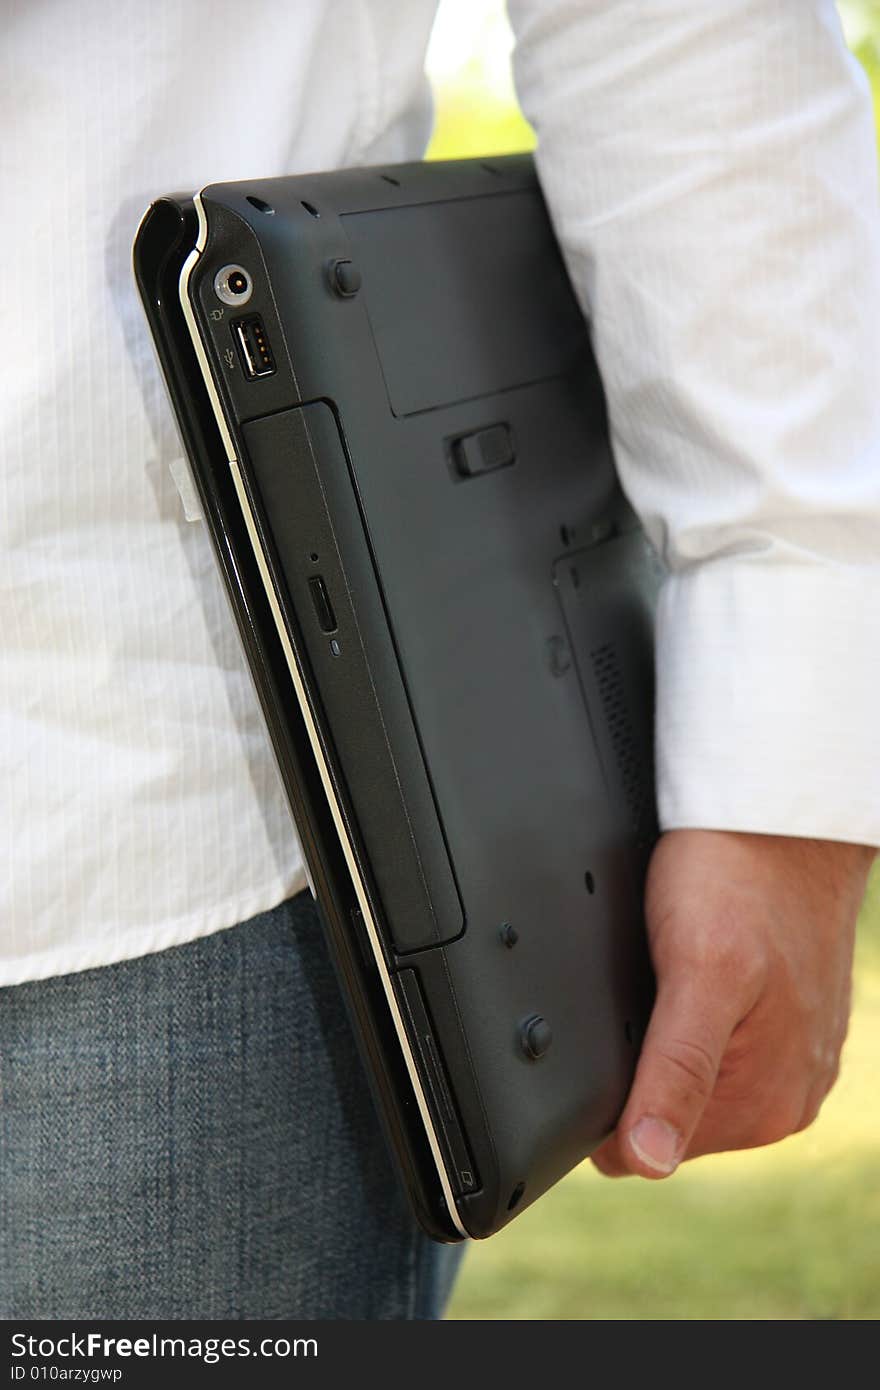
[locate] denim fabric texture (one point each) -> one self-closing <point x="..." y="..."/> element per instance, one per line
<point x="190" y="1135"/>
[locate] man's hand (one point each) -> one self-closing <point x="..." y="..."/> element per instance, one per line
<point x="752" y="942"/>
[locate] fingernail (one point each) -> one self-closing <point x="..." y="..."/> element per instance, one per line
<point x="656" y="1144"/>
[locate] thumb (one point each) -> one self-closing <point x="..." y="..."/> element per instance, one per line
<point x="676" y="1074"/>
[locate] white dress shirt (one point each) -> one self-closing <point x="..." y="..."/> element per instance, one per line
<point x="710" y="169"/>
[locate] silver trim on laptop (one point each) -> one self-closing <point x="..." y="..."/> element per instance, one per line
<point x="336" y="811"/>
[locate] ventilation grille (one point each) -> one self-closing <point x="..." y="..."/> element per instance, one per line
<point x="636" y="776"/>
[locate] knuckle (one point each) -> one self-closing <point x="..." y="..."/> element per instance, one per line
<point x="809" y="1114"/>
<point x="691" y="1063"/>
<point x="819" y="1092"/>
<point x="823" y="1063"/>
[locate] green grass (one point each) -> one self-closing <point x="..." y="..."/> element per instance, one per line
<point x="699" y="1247"/>
<point x="466" y="125"/>
<point x="792" y="1231"/>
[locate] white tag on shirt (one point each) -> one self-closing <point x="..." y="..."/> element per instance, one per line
<point x="183" y="479"/>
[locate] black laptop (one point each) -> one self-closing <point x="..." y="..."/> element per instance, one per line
<point x="394" y="420"/>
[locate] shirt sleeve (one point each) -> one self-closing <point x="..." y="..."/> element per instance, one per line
<point x="711" y="173"/>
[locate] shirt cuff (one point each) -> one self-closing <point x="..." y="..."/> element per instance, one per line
<point x="768" y="716"/>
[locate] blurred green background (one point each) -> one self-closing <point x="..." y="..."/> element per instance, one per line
<point x="787" y="1232"/>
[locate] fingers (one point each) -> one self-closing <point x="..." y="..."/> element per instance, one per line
<point x="681" y="1056"/>
<point x="751" y="939"/>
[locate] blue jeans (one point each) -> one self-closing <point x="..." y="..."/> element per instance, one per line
<point x="190" y="1135"/>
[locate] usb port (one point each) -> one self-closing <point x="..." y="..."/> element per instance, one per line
<point x="253" y="346"/>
